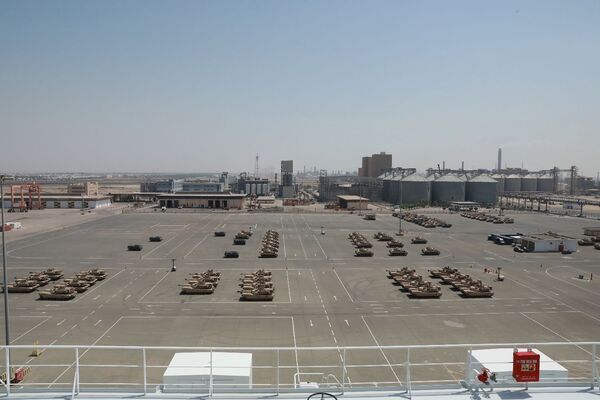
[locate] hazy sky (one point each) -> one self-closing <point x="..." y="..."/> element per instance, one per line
<point x="205" y="85"/>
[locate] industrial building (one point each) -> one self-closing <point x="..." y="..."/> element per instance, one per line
<point x="351" y="202"/>
<point x="203" y="187"/>
<point x="83" y="188"/>
<point x="202" y="200"/>
<point x="547" y="242"/>
<point x="253" y="186"/>
<point x="592" y="231"/>
<point x="332" y="186"/>
<point x="375" y="165"/>
<point x="162" y="186"/>
<point x="63" y="201"/>
<point x="287" y="189"/>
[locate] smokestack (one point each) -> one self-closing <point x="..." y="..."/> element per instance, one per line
<point x="499" y="159"/>
<point x="443" y="165"/>
<point x="462" y="165"/>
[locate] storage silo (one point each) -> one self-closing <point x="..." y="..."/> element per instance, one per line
<point x="414" y="189"/>
<point x="529" y="183"/>
<point x="546" y="183"/>
<point x="512" y="183"/>
<point x="482" y="189"/>
<point x="448" y="188"/>
<point x="499" y="178"/>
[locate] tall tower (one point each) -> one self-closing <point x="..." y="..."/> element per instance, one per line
<point x="499" y="159"/>
<point x="256" y="166"/>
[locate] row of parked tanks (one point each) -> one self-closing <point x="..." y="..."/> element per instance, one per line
<point x="425" y="221"/>
<point x="463" y="283"/>
<point x="65" y="290"/>
<point x="495" y="219"/>
<point x="414" y="284"/>
<point x="593" y="241"/>
<point x="270" y="245"/>
<point x="201" y="283"/>
<point x="257" y="286"/>
<point x="361" y="244"/>
<point x="241" y="237"/>
<point x="395" y="247"/>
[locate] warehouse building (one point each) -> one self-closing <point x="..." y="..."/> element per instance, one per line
<point x="592" y="231"/>
<point x="202" y="200"/>
<point x="66" y="201"/>
<point x="352" y="202"/>
<point x="83" y="188"/>
<point x="548" y="242"/>
<point x="203" y="187"/>
<point x="164" y="186"/>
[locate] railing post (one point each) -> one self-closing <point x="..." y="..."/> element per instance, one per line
<point x="7" y="361"/>
<point x="210" y="378"/>
<point x="77" y="369"/>
<point x="277" y="371"/>
<point x="594" y="367"/>
<point x="144" y="369"/>
<point x="408" y="384"/>
<point x="344" y="370"/>
<point x="469" y="367"/>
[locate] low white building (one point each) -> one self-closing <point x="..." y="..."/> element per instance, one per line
<point x="192" y="372"/>
<point x="547" y="242"/>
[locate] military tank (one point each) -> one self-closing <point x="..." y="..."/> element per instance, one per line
<point x="41" y="278"/>
<point x="53" y="273"/>
<point x="198" y="287"/>
<point x="397" y="252"/>
<point x="79" y="285"/>
<point x="58" y="292"/>
<point x="430" y="251"/>
<point x="362" y="252"/>
<point x="22" y="285"/>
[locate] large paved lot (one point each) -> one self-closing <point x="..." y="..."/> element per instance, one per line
<point x="323" y="297"/>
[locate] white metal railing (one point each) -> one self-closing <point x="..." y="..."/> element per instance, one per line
<point x="59" y="367"/>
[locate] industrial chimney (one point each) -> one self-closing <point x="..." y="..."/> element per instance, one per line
<point x="499" y="159"/>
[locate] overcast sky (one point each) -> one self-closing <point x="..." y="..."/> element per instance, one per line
<point x="197" y="86"/>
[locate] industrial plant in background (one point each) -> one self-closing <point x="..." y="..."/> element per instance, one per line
<point x="441" y="186"/>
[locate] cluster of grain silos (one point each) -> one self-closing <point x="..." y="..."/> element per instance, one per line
<point x="441" y="189"/>
<point x="532" y="182"/>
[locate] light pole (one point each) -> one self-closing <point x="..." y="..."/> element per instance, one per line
<point x="5" y="280"/>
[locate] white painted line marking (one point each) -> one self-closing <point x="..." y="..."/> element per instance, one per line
<point x="344" y="286"/>
<point x="311" y="323"/>
<point x="347" y="323"/>
<point x="97" y="297"/>
<point x="155" y="285"/>
<point x="295" y="345"/>
<point x="127" y="297"/>
<point x="60" y="323"/>
<point x="380" y="349"/>
<point x="96" y="324"/>
<point x="194" y="248"/>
